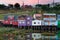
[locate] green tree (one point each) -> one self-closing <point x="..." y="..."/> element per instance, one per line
<point x="17" y="6"/>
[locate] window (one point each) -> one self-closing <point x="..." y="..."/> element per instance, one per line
<point x="6" y="21"/>
<point x="34" y="22"/>
<point x="20" y="22"/>
<point x="28" y="18"/>
<point x="28" y="35"/>
<point x="34" y="35"/>
<point x="28" y="22"/>
<point x="23" y="22"/>
<point x="38" y="22"/>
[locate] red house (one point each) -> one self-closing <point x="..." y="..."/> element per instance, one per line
<point x="15" y="23"/>
<point x="6" y="22"/>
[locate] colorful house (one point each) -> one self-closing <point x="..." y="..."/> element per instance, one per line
<point x="49" y="16"/>
<point x="49" y="19"/>
<point x="14" y="23"/>
<point x="6" y="22"/>
<point x="51" y="23"/>
<point x="9" y="18"/>
<point x="36" y="22"/>
<point x="21" y="21"/>
<point x="29" y="20"/>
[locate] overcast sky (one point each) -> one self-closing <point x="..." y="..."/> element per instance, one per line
<point x="28" y="2"/>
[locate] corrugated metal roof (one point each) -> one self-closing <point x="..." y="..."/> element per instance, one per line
<point x="49" y="14"/>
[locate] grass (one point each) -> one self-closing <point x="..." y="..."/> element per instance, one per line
<point x="6" y="30"/>
<point x="1" y="16"/>
<point x="19" y="12"/>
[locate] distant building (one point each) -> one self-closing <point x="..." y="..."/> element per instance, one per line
<point x="54" y="4"/>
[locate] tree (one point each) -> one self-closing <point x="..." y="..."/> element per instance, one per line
<point x="10" y="6"/>
<point x="38" y="5"/>
<point x="48" y="5"/>
<point x="45" y="7"/>
<point x="57" y="7"/>
<point x="2" y="6"/>
<point x="17" y="6"/>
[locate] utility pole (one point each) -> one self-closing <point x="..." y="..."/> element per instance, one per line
<point x="38" y="1"/>
<point x="23" y="5"/>
<point x="37" y="6"/>
<point x="53" y="3"/>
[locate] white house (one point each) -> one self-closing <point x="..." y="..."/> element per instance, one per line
<point x="54" y="4"/>
<point x="36" y="22"/>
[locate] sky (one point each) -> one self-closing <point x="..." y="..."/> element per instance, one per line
<point x="27" y="2"/>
